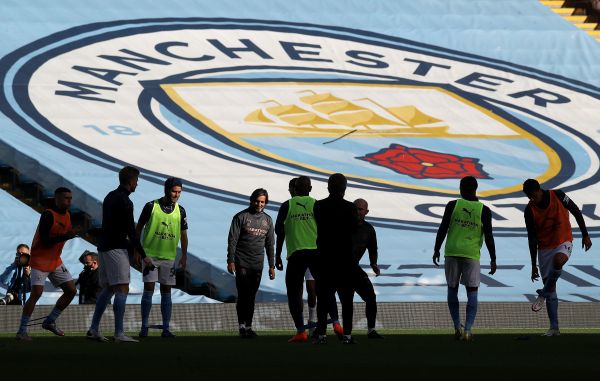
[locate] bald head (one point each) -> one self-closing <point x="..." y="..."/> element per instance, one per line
<point x="362" y="208"/>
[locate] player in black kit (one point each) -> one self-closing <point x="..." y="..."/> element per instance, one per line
<point x="336" y="220"/>
<point x="365" y="238"/>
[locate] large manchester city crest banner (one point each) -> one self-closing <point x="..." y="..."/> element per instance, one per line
<point x="230" y="103"/>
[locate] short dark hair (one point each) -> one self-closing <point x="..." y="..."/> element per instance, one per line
<point x="259" y="192"/>
<point x="60" y="190"/>
<point x="128" y="173"/>
<point x="468" y="184"/>
<point x="530" y="186"/>
<point x="85" y="254"/>
<point x="303" y="185"/>
<point x="337" y="183"/>
<point x="292" y="183"/>
<point x="22" y="245"/>
<point x="172" y="182"/>
<point x="93" y="255"/>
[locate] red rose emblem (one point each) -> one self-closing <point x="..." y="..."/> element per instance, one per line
<point x="423" y="164"/>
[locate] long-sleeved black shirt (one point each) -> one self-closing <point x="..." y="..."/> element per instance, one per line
<point x="118" y="225"/>
<point x="280" y="226"/>
<point x="486" y="222"/>
<point x="337" y="221"/>
<point x="89" y="286"/>
<point x="250" y="235"/>
<point x="365" y="238"/>
<point x="530" y="223"/>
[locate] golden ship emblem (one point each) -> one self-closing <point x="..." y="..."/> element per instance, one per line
<point x="327" y="114"/>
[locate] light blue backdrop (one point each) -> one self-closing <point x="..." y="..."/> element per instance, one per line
<point x="516" y="31"/>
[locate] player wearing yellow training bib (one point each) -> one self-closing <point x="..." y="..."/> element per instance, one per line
<point x="466" y="223"/>
<point x="164" y="225"/>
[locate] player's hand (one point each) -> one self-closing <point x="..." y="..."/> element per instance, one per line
<point x="535" y="275"/>
<point x="436" y="258"/>
<point x="137" y="258"/>
<point x="493" y="268"/>
<point x="375" y="268"/>
<point x="271" y="273"/>
<point x="586" y="243"/>
<point x="183" y="262"/>
<point x="231" y="268"/>
<point x="278" y="263"/>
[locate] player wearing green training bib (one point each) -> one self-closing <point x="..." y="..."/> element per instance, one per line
<point x="296" y="226"/>
<point x="465" y="233"/>
<point x="466" y="223"/>
<point x="300" y="226"/>
<point x="162" y="233"/>
<point x="164" y="225"/>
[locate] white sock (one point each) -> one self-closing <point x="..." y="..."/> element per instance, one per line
<point x="242" y="326"/>
<point x="349" y="337"/>
<point x="371" y="330"/>
<point x="312" y="313"/>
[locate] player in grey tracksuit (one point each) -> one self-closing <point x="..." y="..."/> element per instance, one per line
<point x="250" y="235"/>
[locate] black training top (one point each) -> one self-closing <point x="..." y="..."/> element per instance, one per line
<point x="118" y="225"/>
<point x="365" y="238"/>
<point x="280" y="226"/>
<point x="486" y="222"/>
<point x="337" y="220"/>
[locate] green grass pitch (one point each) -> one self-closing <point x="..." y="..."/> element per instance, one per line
<point x="427" y="354"/>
